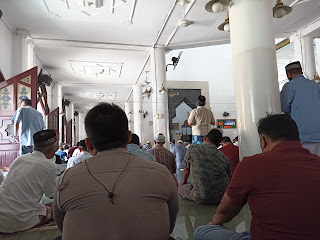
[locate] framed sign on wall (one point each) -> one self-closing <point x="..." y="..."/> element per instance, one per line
<point x="226" y="123"/>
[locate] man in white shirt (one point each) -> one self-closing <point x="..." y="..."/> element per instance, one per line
<point x="84" y="154"/>
<point x="201" y="120"/>
<point x="30" y="176"/>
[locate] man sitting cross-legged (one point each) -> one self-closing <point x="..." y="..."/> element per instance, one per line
<point x="281" y="186"/>
<point x="84" y="154"/>
<point x="209" y="169"/>
<point x="134" y="148"/>
<point x="30" y="176"/>
<point x="163" y="155"/>
<point x="114" y="194"/>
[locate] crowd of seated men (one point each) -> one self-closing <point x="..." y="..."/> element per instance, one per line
<point x="116" y="190"/>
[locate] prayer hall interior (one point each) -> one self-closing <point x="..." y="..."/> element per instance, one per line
<point x="152" y="59"/>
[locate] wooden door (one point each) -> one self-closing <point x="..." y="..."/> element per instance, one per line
<point x="12" y="91"/>
<point x="69" y="133"/>
<point x="53" y="120"/>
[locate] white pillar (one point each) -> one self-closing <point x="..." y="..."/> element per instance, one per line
<point x="255" y="68"/>
<point x="77" y="133"/>
<point x="59" y="100"/>
<point x="304" y="52"/>
<point x="159" y="99"/>
<point x="128" y="111"/>
<point x="82" y="131"/>
<point x="73" y="124"/>
<point x="137" y="108"/>
<point x="30" y="55"/>
<point x="20" y="53"/>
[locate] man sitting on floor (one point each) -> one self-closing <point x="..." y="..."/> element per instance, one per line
<point x="114" y="194"/>
<point x="30" y="176"/>
<point x="62" y="154"/>
<point x="134" y="148"/>
<point x="84" y="154"/>
<point x="163" y="155"/>
<point x="281" y="186"/>
<point x="209" y="169"/>
<point x="231" y="151"/>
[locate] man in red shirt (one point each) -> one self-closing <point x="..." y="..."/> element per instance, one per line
<point x="281" y="186"/>
<point x="231" y="151"/>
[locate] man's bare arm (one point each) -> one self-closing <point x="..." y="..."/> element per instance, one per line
<point x="185" y="175"/>
<point x="226" y="211"/>
<point x="16" y="129"/>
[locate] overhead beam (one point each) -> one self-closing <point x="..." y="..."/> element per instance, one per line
<point x="86" y="44"/>
<point x="198" y="44"/>
<point x="307" y="31"/>
<point x="93" y="84"/>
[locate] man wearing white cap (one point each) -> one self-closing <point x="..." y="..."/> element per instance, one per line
<point x="300" y="98"/>
<point x="179" y="151"/>
<point x="163" y="155"/>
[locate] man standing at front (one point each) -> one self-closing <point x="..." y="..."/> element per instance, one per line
<point x="281" y="186"/>
<point x="201" y="120"/>
<point x="27" y="121"/>
<point x="114" y="194"/>
<point x="210" y="171"/>
<point x="300" y="98"/>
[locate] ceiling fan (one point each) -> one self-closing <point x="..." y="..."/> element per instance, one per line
<point x="175" y="61"/>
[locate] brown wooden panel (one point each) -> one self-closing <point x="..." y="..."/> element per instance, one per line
<point x="69" y="133"/>
<point x="53" y="120"/>
<point x="9" y="149"/>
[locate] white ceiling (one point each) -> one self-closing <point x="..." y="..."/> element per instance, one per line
<point x="63" y="35"/>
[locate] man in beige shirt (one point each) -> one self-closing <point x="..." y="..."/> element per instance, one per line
<point x="201" y="120"/>
<point x="114" y="194"/>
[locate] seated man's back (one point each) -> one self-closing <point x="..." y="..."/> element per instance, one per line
<point x="145" y="198"/>
<point x="281" y="186"/>
<point x="283" y="192"/>
<point x="210" y="173"/>
<point x="30" y="176"/>
<point x="114" y="194"/>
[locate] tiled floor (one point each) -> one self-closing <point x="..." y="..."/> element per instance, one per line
<point x="190" y="216"/>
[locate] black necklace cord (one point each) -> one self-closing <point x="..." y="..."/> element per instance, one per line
<point x="110" y="194"/>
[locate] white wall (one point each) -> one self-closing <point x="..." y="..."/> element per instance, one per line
<point x="6" y="48"/>
<point x="214" y="65"/>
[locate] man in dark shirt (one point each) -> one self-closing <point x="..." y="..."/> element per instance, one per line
<point x="163" y="155"/>
<point x="231" y="151"/>
<point x="209" y="169"/>
<point x="281" y="186"/>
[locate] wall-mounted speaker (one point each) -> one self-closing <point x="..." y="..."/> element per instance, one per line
<point x="45" y="79"/>
<point x="66" y="102"/>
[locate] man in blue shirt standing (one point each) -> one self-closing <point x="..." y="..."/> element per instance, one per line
<point x="300" y="98"/>
<point x="179" y="151"/>
<point x="27" y="121"/>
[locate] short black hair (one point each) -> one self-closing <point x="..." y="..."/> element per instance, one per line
<point x="279" y="127"/>
<point x="107" y="127"/>
<point x="215" y="137"/>
<point x="201" y="101"/>
<point x="226" y="140"/>
<point x="135" y="139"/>
<point x="26" y="102"/>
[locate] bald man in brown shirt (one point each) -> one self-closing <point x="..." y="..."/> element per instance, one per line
<point x="114" y="194"/>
